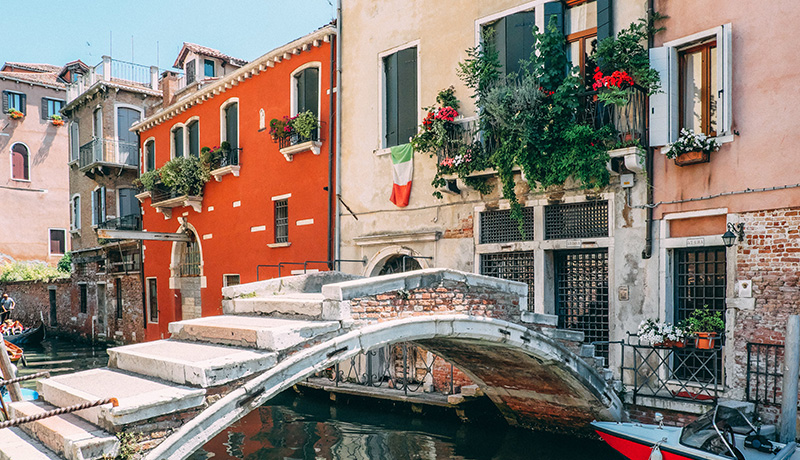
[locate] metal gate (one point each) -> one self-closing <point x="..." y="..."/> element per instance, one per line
<point x="582" y="294"/>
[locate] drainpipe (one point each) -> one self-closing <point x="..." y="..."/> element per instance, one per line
<point x="648" y="165"/>
<point x="337" y="227"/>
<point x="331" y="152"/>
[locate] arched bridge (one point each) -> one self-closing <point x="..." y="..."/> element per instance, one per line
<point x="279" y="332"/>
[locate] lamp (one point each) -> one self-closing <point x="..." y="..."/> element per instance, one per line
<point x="731" y="234"/>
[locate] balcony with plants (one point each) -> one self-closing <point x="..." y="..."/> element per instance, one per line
<point x="297" y="134"/>
<point x="178" y="183"/>
<point x="221" y="160"/>
<point x="104" y="156"/>
<point x="542" y="122"/>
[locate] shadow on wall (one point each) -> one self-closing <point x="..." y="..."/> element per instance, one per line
<point x="44" y="148"/>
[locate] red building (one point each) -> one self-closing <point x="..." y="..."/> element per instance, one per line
<point x="267" y="201"/>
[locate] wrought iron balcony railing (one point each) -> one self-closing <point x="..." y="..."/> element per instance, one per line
<point x="231" y="158"/>
<point x="130" y="222"/>
<point x="108" y="152"/>
<point x="629" y="121"/>
<point x="295" y="139"/>
<point x="162" y="193"/>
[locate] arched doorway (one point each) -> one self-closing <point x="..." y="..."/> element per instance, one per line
<point x="398" y="264"/>
<point x="186" y="272"/>
<point x="395" y="259"/>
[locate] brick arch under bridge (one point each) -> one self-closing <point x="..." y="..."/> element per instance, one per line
<point x="535" y="380"/>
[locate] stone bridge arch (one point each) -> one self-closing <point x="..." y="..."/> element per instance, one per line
<point x="534" y="379"/>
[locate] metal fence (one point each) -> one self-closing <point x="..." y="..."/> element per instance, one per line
<point x="109" y="151"/>
<point x="764" y="373"/>
<point x="129" y="222"/>
<point x="295" y="138"/>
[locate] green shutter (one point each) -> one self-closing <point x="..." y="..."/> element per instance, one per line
<point x="232" y="125"/>
<point x="44" y="109"/>
<point x="24" y="104"/>
<point x="177" y="137"/>
<point x="311" y="93"/>
<point x="5" y="101"/>
<point x="407" y="111"/>
<point x="498" y="35"/>
<point x="390" y="109"/>
<point x="519" y="39"/>
<point x="604" y="26"/>
<point x="300" y="82"/>
<point x="194" y="139"/>
<point x="554" y="10"/>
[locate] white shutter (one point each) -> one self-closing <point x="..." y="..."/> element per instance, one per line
<point x="724" y="60"/>
<point x="660" y="102"/>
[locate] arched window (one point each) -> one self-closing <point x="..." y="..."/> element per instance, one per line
<point x="398" y="264"/>
<point x="190" y="259"/>
<point x="193" y="138"/>
<point x="177" y="141"/>
<point x="150" y="155"/>
<point x="231" y="119"/>
<point x="306" y="91"/>
<point x="19" y="162"/>
<point x="76" y="212"/>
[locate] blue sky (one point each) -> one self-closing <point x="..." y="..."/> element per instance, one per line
<point x="57" y="32"/>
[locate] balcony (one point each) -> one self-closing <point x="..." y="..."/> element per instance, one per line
<point x="102" y="156"/>
<point x="295" y="143"/>
<point x="164" y="200"/>
<point x="229" y="164"/>
<point x="130" y="222"/>
<point x="118" y="72"/>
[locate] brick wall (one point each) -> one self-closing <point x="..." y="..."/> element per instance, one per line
<point x="462" y="230"/>
<point x="33" y="298"/>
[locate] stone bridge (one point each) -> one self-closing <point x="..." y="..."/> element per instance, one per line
<point x="182" y="391"/>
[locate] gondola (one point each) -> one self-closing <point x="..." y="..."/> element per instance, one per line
<point x="30" y="336"/>
<point x="14" y="352"/>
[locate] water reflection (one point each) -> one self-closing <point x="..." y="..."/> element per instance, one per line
<point x="301" y="428"/>
<point x="60" y="357"/>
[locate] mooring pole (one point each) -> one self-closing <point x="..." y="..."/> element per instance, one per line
<point x="791" y="369"/>
<point x="8" y="372"/>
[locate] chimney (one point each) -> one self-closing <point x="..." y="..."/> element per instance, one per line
<point x="169" y="86"/>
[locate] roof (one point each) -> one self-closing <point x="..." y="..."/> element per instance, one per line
<point x="32" y="67"/>
<point x="205" y="51"/>
<point x="44" y="78"/>
<point x="74" y="65"/>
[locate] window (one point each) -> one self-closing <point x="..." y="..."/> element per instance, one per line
<point x="98" y="206"/>
<point x="13" y="100"/>
<point x="75" y="221"/>
<point x="74" y="141"/>
<point x="208" y="68"/>
<point x="190" y="72"/>
<point x="150" y="155"/>
<point x="230" y="280"/>
<point x="698" y="86"/>
<point x="118" y="295"/>
<point x="128" y="141"/>
<point x="588" y="219"/>
<point x="400" y="96"/>
<point x="58" y="241"/>
<point x="513" y="39"/>
<point x="84" y="293"/>
<point x="581" y="30"/>
<point x="177" y="142"/>
<point x="193" y="132"/>
<point x="498" y="227"/>
<point x="128" y="204"/>
<point x="514" y="266"/>
<point x="581" y="294"/>
<point x="152" y="299"/>
<point x="97" y="123"/>
<point x="51" y="107"/>
<point x="190" y="259"/>
<point x="306" y="86"/>
<point x="19" y="162"/>
<point x="281" y="221"/>
<point x="231" y="119"/>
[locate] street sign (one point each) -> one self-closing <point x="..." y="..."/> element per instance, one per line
<point x="136" y="235"/>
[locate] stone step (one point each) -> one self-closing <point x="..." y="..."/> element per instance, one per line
<point x="66" y="434"/>
<point x="260" y="332"/>
<point x="16" y="445"/>
<point x="190" y="363"/>
<point x="139" y="398"/>
<point x="295" y="304"/>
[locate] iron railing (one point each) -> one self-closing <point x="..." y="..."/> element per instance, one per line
<point x="335" y="264"/>
<point x="764" y="373"/>
<point x="402" y="367"/>
<point x="664" y="373"/>
<point x="108" y="151"/>
<point x="130" y="222"/>
<point x="295" y="139"/>
<point x="230" y="158"/>
<point x="629" y="121"/>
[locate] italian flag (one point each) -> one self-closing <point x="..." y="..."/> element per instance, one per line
<point x="402" y="170"/>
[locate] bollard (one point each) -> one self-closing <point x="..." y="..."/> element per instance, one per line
<point x="791" y="369"/>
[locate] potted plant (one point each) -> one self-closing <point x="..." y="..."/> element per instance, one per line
<point x="705" y="325"/>
<point x="662" y="334"/>
<point x="304" y="124"/>
<point x="15" y="114"/>
<point x="691" y="148"/>
<point x="56" y="120"/>
<point x="280" y="128"/>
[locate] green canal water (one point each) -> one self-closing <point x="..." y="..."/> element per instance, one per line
<point x="300" y="427"/>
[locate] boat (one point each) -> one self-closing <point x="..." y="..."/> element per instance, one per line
<point x="29" y="336"/>
<point x="723" y="433"/>
<point x="14" y="352"/>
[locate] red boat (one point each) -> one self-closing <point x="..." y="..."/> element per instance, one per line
<point x="721" y="434"/>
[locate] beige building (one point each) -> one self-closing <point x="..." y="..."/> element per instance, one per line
<point x="34" y="186"/>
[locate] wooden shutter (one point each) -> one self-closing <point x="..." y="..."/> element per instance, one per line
<point x="74" y="140"/>
<point x="554" y="10"/>
<point x="45" y="115"/>
<point x="498" y="32"/>
<point x="407" y="111"/>
<point x="390" y="109"/>
<point x="19" y="162"/>
<point x="5" y="101"/>
<point x="232" y="125"/>
<point x="194" y="139"/>
<point x="190" y="72"/>
<point x="519" y="37"/>
<point x="310" y="92"/>
<point x="605" y="27"/>
<point x="23" y="103"/>
<point x="177" y="141"/>
<point x="660" y="106"/>
<point x="150" y="160"/>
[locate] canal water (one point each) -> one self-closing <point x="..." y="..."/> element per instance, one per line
<point x="300" y="427"/>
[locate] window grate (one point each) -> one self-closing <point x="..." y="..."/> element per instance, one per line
<point x="282" y="221"/>
<point x="499" y="227"/>
<point x="700" y="280"/>
<point x="582" y="295"/>
<point x="576" y="220"/>
<point x="190" y="259"/>
<point x="513" y="266"/>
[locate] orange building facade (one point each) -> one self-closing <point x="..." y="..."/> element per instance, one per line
<point x="267" y="201"/>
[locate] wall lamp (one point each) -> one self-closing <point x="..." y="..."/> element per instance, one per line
<point x="734" y="231"/>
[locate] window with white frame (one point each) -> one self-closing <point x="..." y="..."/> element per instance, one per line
<point x="51" y="107"/>
<point x="75" y="205"/>
<point x="177" y="141"/>
<point x="13" y="100"/>
<point x="400" y="108"/>
<point x="306" y="91"/>
<point x="20" y="162"/>
<point x="193" y="138"/>
<point x="208" y="68"/>
<point x="58" y="241"/>
<point x="150" y="155"/>
<point x="696" y="86"/>
<point x="230" y="280"/>
<point x="230" y="124"/>
<point x="152" y="299"/>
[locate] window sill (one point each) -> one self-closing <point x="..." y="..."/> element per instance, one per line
<point x="225" y="170"/>
<point x="279" y="245"/>
<point x="382" y="152"/>
<point x="142" y="196"/>
<point x="292" y="150"/>
<point x="20" y="180"/>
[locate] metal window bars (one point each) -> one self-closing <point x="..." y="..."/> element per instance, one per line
<point x="498" y="227"/>
<point x="764" y="373"/>
<point x="587" y="219"/>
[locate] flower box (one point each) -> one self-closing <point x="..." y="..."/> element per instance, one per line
<point x="692" y="158"/>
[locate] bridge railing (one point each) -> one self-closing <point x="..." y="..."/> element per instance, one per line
<point x="402" y="367"/>
<point x="335" y="264"/>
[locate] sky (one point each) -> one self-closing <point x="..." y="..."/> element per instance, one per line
<point x="57" y="32"/>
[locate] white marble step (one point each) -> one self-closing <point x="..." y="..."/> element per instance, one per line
<point x="260" y="332"/>
<point x="297" y="304"/>
<point x="190" y="363"/>
<point x="66" y="435"/>
<point x="139" y="398"/>
<point x="16" y="445"/>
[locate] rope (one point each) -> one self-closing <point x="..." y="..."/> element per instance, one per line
<point x="59" y="411"/>
<point x="27" y="377"/>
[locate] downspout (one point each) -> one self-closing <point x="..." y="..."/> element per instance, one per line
<point x="648" y="165"/>
<point x="142" y="161"/>
<point x="337" y="217"/>
<point x="331" y="152"/>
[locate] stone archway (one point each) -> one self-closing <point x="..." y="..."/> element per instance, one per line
<point x="186" y="273"/>
<point x="391" y="259"/>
